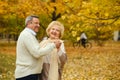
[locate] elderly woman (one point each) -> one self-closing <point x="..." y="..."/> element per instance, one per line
<point x="54" y="62"/>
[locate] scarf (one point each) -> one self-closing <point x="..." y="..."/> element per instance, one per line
<point x="54" y="61"/>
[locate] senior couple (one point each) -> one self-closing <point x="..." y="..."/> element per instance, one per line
<point x="40" y="61"/>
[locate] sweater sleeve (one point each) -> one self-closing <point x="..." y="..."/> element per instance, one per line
<point x="34" y="48"/>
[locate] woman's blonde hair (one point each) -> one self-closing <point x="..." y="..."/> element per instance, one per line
<point x="60" y="25"/>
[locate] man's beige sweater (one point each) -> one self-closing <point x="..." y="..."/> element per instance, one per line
<point x="29" y="54"/>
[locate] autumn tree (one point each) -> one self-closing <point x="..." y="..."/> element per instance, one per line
<point x="98" y="18"/>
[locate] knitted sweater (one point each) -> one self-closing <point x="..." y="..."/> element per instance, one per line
<point x="29" y="54"/>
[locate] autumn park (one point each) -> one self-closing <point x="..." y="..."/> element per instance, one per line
<point x="99" y="19"/>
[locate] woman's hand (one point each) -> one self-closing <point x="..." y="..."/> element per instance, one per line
<point x="57" y="43"/>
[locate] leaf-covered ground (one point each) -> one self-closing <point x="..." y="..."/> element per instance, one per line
<point x="97" y="63"/>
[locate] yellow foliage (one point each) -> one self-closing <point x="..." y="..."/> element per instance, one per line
<point x="78" y="38"/>
<point x="63" y="17"/>
<point x="74" y="33"/>
<point x="99" y="29"/>
<point x="28" y="7"/>
<point x="106" y="14"/>
<point x="77" y="25"/>
<point x="3" y="7"/>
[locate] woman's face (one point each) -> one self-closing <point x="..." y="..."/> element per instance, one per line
<point x="54" y="32"/>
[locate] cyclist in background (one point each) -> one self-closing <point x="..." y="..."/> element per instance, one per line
<point x="83" y="39"/>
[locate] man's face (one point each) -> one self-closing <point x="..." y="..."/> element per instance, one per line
<point x="35" y="24"/>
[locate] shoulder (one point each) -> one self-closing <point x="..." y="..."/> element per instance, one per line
<point x="62" y="41"/>
<point x="25" y="33"/>
<point x="43" y="42"/>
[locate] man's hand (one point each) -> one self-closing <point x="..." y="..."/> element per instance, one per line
<point x="57" y="43"/>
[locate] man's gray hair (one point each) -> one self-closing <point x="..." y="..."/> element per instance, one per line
<point x="29" y="18"/>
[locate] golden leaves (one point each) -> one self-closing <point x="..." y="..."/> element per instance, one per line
<point x="28" y="7"/>
<point x="74" y="33"/>
<point x="95" y="64"/>
<point x="63" y="17"/>
<point x="3" y="7"/>
<point x="98" y="63"/>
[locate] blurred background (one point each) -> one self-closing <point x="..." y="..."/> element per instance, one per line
<point x="99" y="19"/>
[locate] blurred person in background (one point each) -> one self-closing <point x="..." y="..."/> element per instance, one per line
<point x="83" y="39"/>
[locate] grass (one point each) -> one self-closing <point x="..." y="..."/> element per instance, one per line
<point x="7" y="66"/>
<point x="97" y="63"/>
<point x="7" y="61"/>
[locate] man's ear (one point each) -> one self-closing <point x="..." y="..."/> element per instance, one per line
<point x="29" y="22"/>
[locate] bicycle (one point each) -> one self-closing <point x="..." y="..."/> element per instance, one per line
<point x="87" y="44"/>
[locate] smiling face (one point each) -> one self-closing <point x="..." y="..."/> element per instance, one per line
<point x="54" y="32"/>
<point x="34" y="24"/>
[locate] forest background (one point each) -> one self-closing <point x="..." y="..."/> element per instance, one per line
<point x="97" y="18"/>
